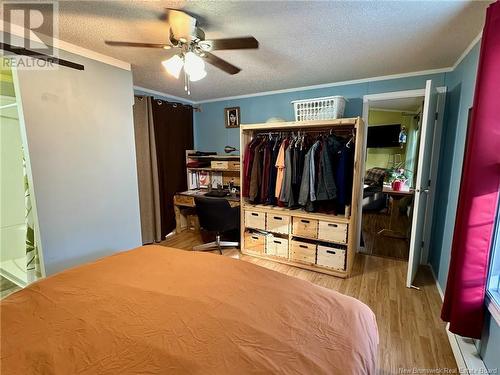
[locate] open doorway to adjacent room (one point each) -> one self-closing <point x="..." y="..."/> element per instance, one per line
<point x="401" y="156"/>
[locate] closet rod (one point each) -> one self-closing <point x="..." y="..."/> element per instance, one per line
<point x="348" y="130"/>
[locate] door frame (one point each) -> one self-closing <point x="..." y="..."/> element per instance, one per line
<point x="434" y="153"/>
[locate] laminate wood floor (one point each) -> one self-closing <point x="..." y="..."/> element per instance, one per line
<point x="412" y="336"/>
<point x="376" y="244"/>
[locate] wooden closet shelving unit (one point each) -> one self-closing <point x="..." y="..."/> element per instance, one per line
<point x="296" y="237"/>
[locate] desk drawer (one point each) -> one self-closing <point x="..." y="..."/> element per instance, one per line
<point x="305" y="227"/>
<point x="255" y="219"/>
<point x="277" y="246"/>
<point x="303" y="252"/>
<point x="234" y="165"/>
<point x="335" y="232"/>
<point x="219" y="164"/>
<point x="331" y="257"/>
<point x="254" y="243"/>
<point x="278" y="223"/>
<point x="183" y="200"/>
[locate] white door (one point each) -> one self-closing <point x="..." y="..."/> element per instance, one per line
<point x="422" y="181"/>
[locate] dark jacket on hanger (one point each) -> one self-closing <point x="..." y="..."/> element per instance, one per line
<point x="326" y="189"/>
<point x="266" y="166"/>
<point x="247" y="165"/>
<point x="256" y="175"/>
<point x="271" y="199"/>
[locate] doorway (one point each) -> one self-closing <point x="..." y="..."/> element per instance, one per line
<point x="401" y="156"/>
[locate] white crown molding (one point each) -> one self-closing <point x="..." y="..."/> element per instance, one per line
<point x="349" y="82"/>
<point x="468" y="49"/>
<point x="71" y="48"/>
<point x="163" y="94"/>
<point x="333" y="84"/>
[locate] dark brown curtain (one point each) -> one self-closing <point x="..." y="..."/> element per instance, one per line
<point x="173" y="125"/>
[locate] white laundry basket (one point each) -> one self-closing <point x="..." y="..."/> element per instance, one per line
<point x="327" y="108"/>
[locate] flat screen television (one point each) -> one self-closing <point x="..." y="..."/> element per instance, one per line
<point x="383" y="136"/>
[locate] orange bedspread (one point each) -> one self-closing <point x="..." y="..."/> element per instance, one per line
<point x="157" y="310"/>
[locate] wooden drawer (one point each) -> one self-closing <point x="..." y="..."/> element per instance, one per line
<point x="183" y="200"/>
<point x="234" y="165"/>
<point x="219" y="164"/>
<point x="335" y="232"/>
<point x="305" y="227"/>
<point x="331" y="257"/>
<point x="278" y="223"/>
<point x="303" y="252"/>
<point x="254" y="243"/>
<point x="256" y="220"/>
<point x="277" y="246"/>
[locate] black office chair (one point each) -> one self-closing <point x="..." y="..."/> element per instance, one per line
<point x="216" y="215"/>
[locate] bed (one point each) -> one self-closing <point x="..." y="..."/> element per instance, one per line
<point x="158" y="310"/>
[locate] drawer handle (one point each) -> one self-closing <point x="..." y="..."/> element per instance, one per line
<point x="333" y="225"/>
<point x="277" y="242"/>
<point x="331" y="252"/>
<point x="255" y="237"/>
<point x="277" y="218"/>
<point x="304" y="246"/>
<point x="254" y="214"/>
<point x="305" y="221"/>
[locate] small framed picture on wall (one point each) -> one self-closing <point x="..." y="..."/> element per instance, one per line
<point x="232" y="117"/>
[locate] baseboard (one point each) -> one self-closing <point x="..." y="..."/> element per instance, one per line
<point x="464" y="349"/>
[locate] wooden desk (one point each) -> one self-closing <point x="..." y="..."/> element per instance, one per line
<point x="396" y="196"/>
<point x="185" y="215"/>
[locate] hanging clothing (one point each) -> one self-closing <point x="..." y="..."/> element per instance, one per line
<point x="271" y="191"/>
<point x="304" y="196"/>
<point x="280" y="167"/>
<point x="266" y="166"/>
<point x="326" y="188"/>
<point x="256" y="175"/>
<point x="286" y="195"/>
<point x="247" y="165"/>
<point x="312" y="170"/>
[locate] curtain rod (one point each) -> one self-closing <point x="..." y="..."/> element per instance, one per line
<point x="140" y="97"/>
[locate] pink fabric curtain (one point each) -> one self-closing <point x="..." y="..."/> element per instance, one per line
<point x="464" y="298"/>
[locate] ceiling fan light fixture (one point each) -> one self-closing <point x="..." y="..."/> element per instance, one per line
<point x="173" y="65"/>
<point x="193" y="64"/>
<point x="167" y="47"/>
<point x="198" y="75"/>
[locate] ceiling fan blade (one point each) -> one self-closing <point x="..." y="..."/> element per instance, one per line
<point x="133" y="44"/>
<point x="248" y="42"/>
<point x="182" y="25"/>
<point x="221" y="64"/>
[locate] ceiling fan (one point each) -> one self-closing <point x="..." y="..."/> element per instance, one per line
<point x="194" y="49"/>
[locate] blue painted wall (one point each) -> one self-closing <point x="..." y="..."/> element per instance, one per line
<point x="210" y="132"/>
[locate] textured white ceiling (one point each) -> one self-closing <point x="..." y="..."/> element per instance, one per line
<point x="400" y="104"/>
<point x="301" y="43"/>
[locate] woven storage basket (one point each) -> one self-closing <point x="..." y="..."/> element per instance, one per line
<point x="327" y="108"/>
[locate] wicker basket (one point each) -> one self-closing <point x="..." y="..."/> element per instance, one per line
<point x="327" y="108"/>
